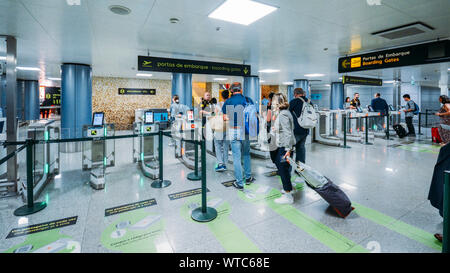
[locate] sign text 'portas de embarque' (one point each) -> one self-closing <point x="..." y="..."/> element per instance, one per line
<point x="427" y="53"/>
<point x="136" y="91"/>
<point x="191" y="66"/>
<point x="361" y="81"/>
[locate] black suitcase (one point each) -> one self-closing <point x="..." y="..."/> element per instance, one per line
<point x="401" y="132"/>
<point x="337" y="199"/>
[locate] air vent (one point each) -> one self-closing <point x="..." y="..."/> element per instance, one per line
<point x="120" y="10"/>
<point x="404" y="31"/>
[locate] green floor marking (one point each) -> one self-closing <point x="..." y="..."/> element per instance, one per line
<point x="232" y="239"/>
<point x="322" y="233"/>
<point x="421" y="148"/>
<point x="48" y="242"/>
<point x="133" y="232"/>
<point x="398" y="226"/>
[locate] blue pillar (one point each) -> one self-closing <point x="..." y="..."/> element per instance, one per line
<point x="337" y="96"/>
<point x="290" y="92"/>
<point x="304" y="84"/>
<point x="76" y="99"/>
<point x="252" y="89"/>
<point x="182" y="86"/>
<point x="20" y="99"/>
<point x="31" y="100"/>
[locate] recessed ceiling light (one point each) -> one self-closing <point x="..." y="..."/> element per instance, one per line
<point x="314" y="75"/>
<point x="144" y="75"/>
<point x="119" y="10"/>
<point x="242" y="12"/>
<point x="174" y="20"/>
<point x="54" y="79"/>
<point x="28" y="68"/>
<point x="73" y="2"/>
<point x="288" y="83"/>
<point x="269" y="71"/>
<point x="220" y="79"/>
<point x="262" y="81"/>
<point x="388" y="81"/>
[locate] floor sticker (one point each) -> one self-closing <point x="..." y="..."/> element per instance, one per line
<point x="421" y="148"/>
<point x="42" y="227"/>
<point x="232" y="239"/>
<point x="51" y="241"/>
<point x="135" y="231"/>
<point x="335" y="241"/>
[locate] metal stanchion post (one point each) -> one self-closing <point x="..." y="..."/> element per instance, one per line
<point x="205" y="213"/>
<point x="388" y="126"/>
<point x="194" y="176"/>
<point x="420" y="125"/>
<point x="426" y="118"/>
<point x="367" y="131"/>
<point x="160" y="183"/>
<point x="31" y="206"/>
<point x="445" y="240"/>
<point x="345" y="133"/>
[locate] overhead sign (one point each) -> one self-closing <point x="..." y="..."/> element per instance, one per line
<point x="52" y="96"/>
<point x="136" y="91"/>
<point x="42" y="227"/>
<point x="361" y="81"/>
<point x="427" y="53"/>
<point x="191" y="66"/>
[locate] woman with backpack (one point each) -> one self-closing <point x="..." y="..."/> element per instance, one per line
<point x="282" y="144"/>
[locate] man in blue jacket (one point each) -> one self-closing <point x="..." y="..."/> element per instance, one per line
<point x="296" y="106"/>
<point x="380" y="105"/>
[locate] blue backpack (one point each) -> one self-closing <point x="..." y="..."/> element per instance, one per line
<point x="251" y="119"/>
<point x="416" y="109"/>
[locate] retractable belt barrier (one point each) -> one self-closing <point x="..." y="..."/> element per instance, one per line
<point x="366" y="129"/>
<point x="202" y="214"/>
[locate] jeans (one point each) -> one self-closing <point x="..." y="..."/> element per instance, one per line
<point x="409" y="123"/>
<point x="300" y="148"/>
<point x="284" y="169"/>
<point x="240" y="149"/>
<point x="221" y="145"/>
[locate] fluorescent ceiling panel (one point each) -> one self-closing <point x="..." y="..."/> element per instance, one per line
<point x="28" y="68"/>
<point x="269" y="71"/>
<point x="314" y="75"/>
<point x="143" y="75"/>
<point x="242" y="12"/>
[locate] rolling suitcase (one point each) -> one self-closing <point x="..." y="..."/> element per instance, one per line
<point x="435" y="135"/>
<point x="329" y="191"/>
<point x="401" y="132"/>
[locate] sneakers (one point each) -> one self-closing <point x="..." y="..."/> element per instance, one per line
<point x="236" y="185"/>
<point x="250" y="180"/>
<point x="294" y="190"/>
<point x="220" y="168"/>
<point x="286" y="198"/>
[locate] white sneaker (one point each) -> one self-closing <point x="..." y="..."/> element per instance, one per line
<point x="286" y="198"/>
<point x="294" y="190"/>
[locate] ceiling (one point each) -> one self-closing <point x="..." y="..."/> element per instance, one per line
<point x="291" y="39"/>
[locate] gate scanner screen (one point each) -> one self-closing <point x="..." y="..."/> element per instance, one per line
<point x="149" y="118"/>
<point x="98" y="118"/>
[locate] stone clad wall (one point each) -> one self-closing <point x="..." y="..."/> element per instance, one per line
<point x="119" y="109"/>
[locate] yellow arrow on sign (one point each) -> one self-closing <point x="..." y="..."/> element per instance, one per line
<point x="245" y="70"/>
<point x="345" y="63"/>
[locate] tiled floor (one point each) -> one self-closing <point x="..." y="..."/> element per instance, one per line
<point x="392" y="181"/>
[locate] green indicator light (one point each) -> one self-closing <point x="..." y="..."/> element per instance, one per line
<point x="142" y="129"/>
<point x="46" y="135"/>
<point x="104" y="161"/>
<point x="46" y="168"/>
<point x="105" y="131"/>
<point x="142" y="156"/>
<point x="141" y="182"/>
<point x="47" y="199"/>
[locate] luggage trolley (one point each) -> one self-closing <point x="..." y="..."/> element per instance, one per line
<point x="145" y="148"/>
<point x="98" y="153"/>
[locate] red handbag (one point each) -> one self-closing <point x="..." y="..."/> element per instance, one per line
<point x="435" y="135"/>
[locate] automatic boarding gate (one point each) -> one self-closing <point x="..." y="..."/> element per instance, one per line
<point x="146" y="148"/>
<point x="99" y="153"/>
<point x="187" y="128"/>
<point x="46" y="162"/>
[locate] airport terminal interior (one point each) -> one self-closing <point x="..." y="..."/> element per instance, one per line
<point x="98" y="157"/>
